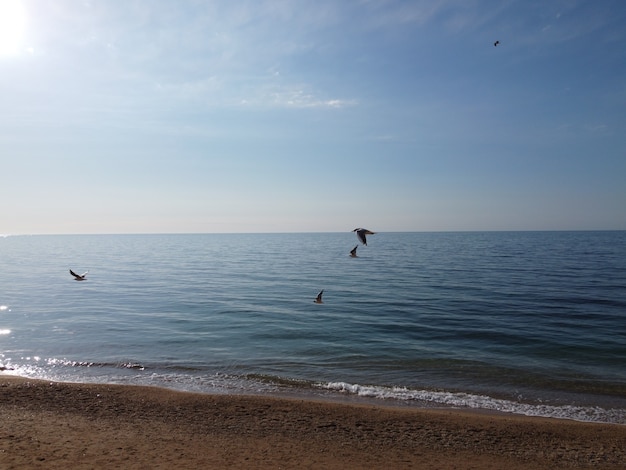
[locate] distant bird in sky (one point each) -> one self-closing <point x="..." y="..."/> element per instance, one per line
<point x="318" y="299"/>
<point x="79" y="277"/>
<point x="361" y="232"/>
<point x="353" y="252"/>
<point x="495" y="44"/>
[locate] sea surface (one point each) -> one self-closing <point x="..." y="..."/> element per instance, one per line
<point x="524" y="322"/>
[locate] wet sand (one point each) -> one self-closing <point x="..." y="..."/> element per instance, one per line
<point x="54" y="425"/>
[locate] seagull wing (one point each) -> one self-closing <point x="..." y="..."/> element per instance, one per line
<point x="361" y="235"/>
<point x="79" y="277"/>
<point x="361" y="232"/>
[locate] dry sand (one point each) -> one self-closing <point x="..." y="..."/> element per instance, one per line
<point x="54" y="425"/>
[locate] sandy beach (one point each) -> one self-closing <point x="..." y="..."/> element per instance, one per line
<point x="60" y="425"/>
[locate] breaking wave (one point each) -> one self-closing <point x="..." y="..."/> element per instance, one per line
<point x="482" y="402"/>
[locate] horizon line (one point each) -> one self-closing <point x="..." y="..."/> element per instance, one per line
<point x="5" y="235"/>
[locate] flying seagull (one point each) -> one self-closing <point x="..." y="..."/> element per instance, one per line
<point x="79" y="277"/>
<point x="361" y="232"/>
<point x="495" y="44"/>
<point x="353" y="252"/>
<point x="318" y="299"/>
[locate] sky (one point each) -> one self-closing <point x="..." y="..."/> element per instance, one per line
<point x="202" y="116"/>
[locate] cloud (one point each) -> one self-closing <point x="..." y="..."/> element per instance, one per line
<point x="294" y="97"/>
<point x="264" y="91"/>
<point x="190" y="89"/>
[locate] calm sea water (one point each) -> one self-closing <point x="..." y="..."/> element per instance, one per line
<point x="525" y="322"/>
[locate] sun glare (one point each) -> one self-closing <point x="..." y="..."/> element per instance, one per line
<point x="12" y="26"/>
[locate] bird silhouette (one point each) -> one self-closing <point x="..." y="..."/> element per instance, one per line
<point x="495" y="44"/>
<point x="318" y="299"/>
<point x="361" y="232"/>
<point x="79" y="277"/>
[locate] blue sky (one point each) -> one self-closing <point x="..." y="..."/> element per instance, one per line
<point x="299" y="116"/>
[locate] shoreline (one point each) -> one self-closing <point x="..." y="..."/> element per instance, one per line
<point x="470" y="402"/>
<point x="58" y="425"/>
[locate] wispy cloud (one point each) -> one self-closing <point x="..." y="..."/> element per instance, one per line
<point x="194" y="54"/>
<point x="294" y="97"/>
<point x="264" y="91"/>
<point x="190" y="89"/>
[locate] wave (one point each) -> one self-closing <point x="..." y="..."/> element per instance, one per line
<point x="467" y="400"/>
<point x="122" y="365"/>
<point x="134" y="373"/>
<point x="45" y="368"/>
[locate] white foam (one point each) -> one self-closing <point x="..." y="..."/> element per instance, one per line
<point x="467" y="400"/>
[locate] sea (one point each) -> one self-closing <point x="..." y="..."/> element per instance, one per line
<point x="531" y="323"/>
